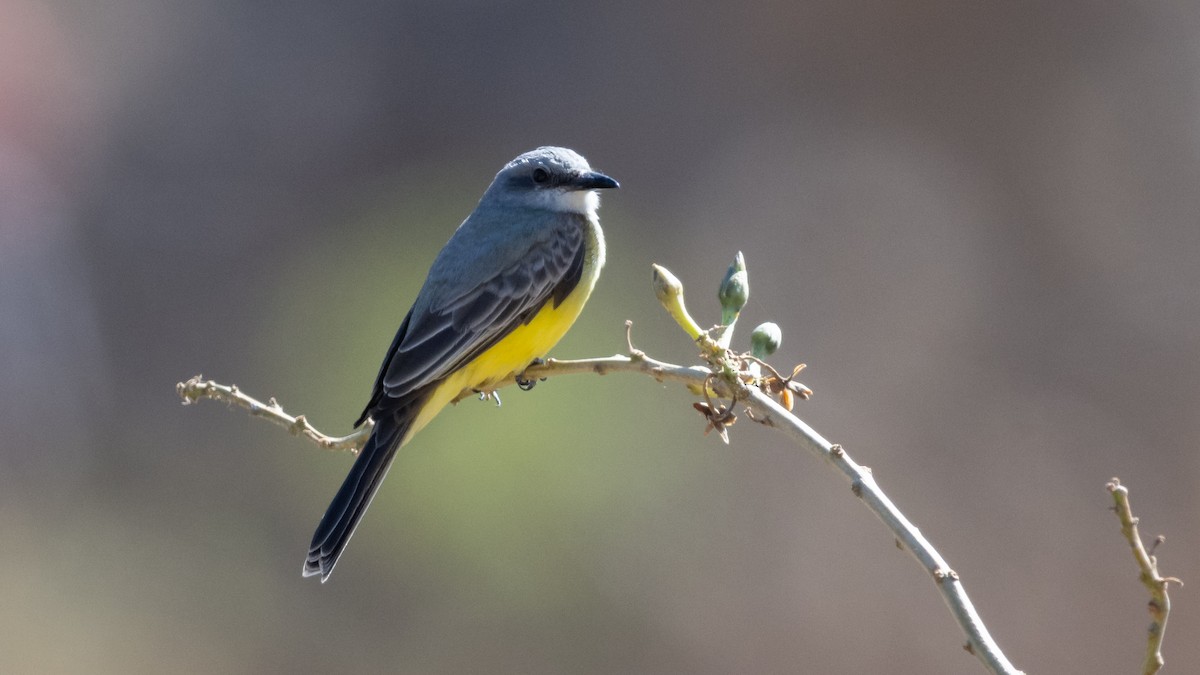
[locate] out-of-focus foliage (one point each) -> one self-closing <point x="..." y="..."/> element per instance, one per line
<point x="976" y="223"/>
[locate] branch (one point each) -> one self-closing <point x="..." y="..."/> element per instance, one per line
<point x="763" y="409"/>
<point x="198" y="388"/>
<point x="736" y="378"/>
<point x="863" y="485"/>
<point x="1160" y="602"/>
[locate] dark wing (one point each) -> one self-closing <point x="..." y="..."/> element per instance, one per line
<point x="441" y="339"/>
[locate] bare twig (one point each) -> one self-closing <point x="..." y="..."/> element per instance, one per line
<point x="1160" y="602"/>
<point x="198" y="388"/>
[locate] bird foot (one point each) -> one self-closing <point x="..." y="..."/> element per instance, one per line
<point x="488" y="395"/>
<point x="524" y="383"/>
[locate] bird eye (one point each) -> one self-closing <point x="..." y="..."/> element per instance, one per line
<point x="540" y="175"/>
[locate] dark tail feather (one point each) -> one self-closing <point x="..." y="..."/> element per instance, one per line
<point x="355" y="496"/>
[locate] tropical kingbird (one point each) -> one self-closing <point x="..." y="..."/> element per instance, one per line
<point x="502" y="292"/>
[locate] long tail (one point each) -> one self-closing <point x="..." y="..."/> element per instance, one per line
<point x="352" y="500"/>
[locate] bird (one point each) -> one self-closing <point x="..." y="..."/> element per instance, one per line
<point x="502" y="292"/>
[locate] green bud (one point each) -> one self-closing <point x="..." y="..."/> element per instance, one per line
<point x="734" y="290"/>
<point x="765" y="340"/>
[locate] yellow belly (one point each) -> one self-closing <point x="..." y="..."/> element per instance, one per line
<point x="507" y="358"/>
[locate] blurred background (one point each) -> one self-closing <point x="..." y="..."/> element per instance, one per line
<point x="979" y="226"/>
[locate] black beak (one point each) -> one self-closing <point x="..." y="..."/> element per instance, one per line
<point x="593" y="180"/>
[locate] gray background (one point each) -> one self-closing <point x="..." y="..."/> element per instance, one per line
<point x="977" y="224"/>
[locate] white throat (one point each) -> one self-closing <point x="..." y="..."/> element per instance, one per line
<point x="583" y="202"/>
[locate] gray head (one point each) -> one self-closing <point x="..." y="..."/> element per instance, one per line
<point x="550" y="178"/>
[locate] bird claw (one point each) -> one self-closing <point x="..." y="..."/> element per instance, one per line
<point x="525" y="383"/>
<point x="489" y="395"/>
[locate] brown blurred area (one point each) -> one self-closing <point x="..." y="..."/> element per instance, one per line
<point x="978" y="224"/>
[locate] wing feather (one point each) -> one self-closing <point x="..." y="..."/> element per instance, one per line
<point x="439" y="340"/>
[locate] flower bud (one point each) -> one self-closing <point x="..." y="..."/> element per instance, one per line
<point x="734" y="290"/>
<point x="670" y="293"/>
<point x="666" y="285"/>
<point x="765" y="340"/>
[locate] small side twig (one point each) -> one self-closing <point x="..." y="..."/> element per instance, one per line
<point x="197" y="388"/>
<point x="1160" y="602"/>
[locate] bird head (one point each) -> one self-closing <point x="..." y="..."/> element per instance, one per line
<point x="553" y="179"/>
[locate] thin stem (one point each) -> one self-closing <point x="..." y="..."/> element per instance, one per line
<point x="1160" y="602"/>
<point x="863" y="485"/>
<point x="198" y="388"/>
